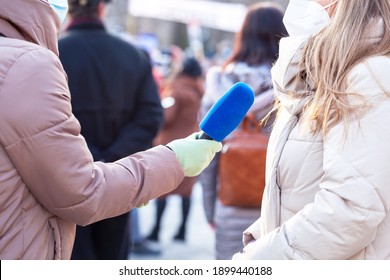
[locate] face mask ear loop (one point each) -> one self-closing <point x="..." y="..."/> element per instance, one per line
<point x="330" y="4"/>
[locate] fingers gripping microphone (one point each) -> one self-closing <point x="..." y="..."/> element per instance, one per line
<point x="227" y="113"/>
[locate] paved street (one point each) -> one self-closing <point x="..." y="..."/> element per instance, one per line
<point x="200" y="240"/>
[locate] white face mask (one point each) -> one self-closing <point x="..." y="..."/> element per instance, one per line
<point x="305" y="17"/>
<point x="60" y="7"/>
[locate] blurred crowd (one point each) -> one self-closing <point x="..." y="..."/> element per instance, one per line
<point x="188" y="87"/>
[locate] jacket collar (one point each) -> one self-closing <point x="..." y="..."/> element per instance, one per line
<point x="287" y="66"/>
<point x="85" y="24"/>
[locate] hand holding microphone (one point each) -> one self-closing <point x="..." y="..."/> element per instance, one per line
<point x="197" y="150"/>
<point x="194" y="154"/>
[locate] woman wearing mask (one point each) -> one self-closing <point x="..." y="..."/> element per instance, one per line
<point x="327" y="193"/>
<point x="255" y="50"/>
<point x="49" y="182"/>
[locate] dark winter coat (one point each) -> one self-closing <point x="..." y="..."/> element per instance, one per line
<point x="120" y="113"/>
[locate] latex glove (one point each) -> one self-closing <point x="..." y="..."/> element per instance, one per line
<point x="194" y="154"/>
<point x="142" y="205"/>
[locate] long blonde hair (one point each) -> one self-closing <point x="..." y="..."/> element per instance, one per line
<point x="331" y="54"/>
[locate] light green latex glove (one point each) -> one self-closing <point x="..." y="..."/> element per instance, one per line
<point x="194" y="154"/>
<point x="142" y="205"/>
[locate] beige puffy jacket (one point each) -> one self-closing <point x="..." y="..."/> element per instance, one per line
<point x="48" y="180"/>
<point x="327" y="199"/>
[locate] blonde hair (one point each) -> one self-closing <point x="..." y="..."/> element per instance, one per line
<point x="331" y="54"/>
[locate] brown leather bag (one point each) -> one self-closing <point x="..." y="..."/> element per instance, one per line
<point x="242" y="166"/>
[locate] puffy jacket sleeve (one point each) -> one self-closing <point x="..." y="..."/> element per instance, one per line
<point x="354" y="196"/>
<point x="43" y="141"/>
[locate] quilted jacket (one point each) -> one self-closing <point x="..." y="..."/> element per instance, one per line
<point x="48" y="180"/>
<point x="327" y="198"/>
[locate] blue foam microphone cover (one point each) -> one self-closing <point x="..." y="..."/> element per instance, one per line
<point x="227" y="113"/>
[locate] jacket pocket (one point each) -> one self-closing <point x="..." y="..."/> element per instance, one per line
<point x="57" y="238"/>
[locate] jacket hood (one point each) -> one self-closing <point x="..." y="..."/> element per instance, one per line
<point x="30" y="20"/>
<point x="287" y="66"/>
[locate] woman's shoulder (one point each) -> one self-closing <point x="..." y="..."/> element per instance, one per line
<point x="256" y="76"/>
<point x="377" y="63"/>
<point x="245" y="70"/>
<point x="371" y="74"/>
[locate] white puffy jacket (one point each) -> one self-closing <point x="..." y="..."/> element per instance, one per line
<point x="327" y="199"/>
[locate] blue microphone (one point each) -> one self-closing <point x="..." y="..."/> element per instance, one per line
<point x="227" y="113"/>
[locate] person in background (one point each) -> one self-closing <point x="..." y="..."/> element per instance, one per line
<point x="181" y="101"/>
<point x="166" y="62"/>
<point x="139" y="244"/>
<point x="116" y="101"/>
<point x="327" y="194"/>
<point x="49" y="180"/>
<point x="255" y="50"/>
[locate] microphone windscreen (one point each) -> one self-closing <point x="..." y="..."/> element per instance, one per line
<point x="228" y="112"/>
